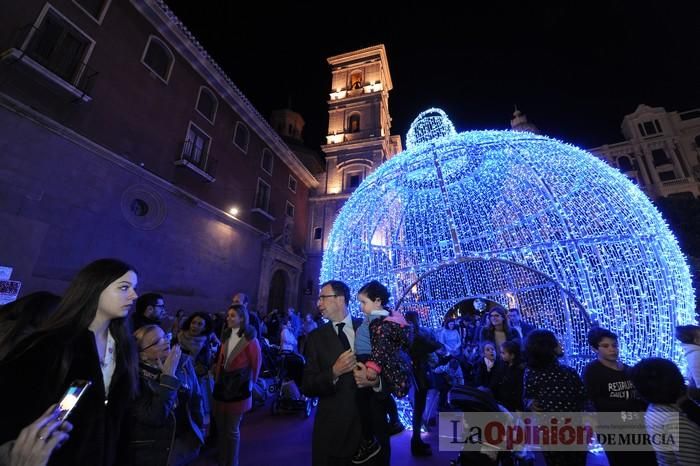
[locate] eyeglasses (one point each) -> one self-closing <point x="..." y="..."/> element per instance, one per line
<point x="324" y="296"/>
<point x="164" y="339"/>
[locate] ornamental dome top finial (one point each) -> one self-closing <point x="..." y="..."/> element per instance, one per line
<point x="429" y="125"/>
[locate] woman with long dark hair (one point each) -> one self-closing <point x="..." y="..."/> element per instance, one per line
<point x="87" y="337"/>
<point x="239" y="352"/>
<point x="497" y="329"/>
<point x="199" y="343"/>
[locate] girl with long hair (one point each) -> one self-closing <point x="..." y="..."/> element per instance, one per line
<point x="382" y="343"/>
<point x="240" y="350"/>
<point x="497" y="329"/>
<point x="87" y="337"/>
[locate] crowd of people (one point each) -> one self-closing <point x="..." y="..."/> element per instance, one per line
<point x="499" y="354"/>
<point x="152" y="390"/>
<point x="162" y="388"/>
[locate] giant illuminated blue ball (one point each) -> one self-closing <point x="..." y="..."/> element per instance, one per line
<point x="518" y="219"/>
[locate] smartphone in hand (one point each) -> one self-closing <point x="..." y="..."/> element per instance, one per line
<point x="71" y="397"/>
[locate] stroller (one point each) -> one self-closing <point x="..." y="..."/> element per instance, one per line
<point x="285" y="388"/>
<point x="472" y="399"/>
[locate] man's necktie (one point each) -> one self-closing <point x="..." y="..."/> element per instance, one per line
<point x="343" y="337"/>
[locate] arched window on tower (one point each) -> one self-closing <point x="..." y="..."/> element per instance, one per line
<point x="354" y="123"/>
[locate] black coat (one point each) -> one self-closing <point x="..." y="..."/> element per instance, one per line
<point x="485" y="378"/>
<point x="150" y="423"/>
<point x="423" y="344"/>
<point x="166" y="410"/>
<point x="488" y="334"/>
<point x="337" y="431"/>
<point x="509" y="387"/>
<point x="29" y="385"/>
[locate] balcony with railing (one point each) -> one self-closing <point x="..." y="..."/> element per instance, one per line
<point x="55" y="53"/>
<point x="197" y="158"/>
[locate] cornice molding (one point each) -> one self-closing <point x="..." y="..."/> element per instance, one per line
<point x="367" y="52"/>
<point x="365" y="143"/>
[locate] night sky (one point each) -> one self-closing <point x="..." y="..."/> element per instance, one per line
<point x="575" y="70"/>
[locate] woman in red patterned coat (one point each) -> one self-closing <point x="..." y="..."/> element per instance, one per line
<point x="239" y="349"/>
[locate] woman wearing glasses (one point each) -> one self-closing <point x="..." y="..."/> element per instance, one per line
<point x="165" y="422"/>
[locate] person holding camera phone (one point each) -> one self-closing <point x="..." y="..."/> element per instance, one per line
<point x="37" y="441"/>
<point x="86" y="338"/>
<point x="165" y="423"/>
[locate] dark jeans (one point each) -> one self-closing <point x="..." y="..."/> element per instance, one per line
<point x="364" y="406"/>
<point x="229" y="441"/>
<point x="419" y="400"/>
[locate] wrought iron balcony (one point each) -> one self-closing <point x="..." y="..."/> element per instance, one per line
<point x="56" y="52"/>
<point x="197" y="158"/>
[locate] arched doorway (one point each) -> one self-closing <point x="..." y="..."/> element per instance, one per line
<point x="542" y="301"/>
<point x="278" y="291"/>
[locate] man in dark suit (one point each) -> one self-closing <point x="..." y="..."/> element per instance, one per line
<point x="333" y="374"/>
<point x="516" y="323"/>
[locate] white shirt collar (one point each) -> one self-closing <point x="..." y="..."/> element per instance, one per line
<point x="347" y="321"/>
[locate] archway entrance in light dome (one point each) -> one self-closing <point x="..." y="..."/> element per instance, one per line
<point x="542" y="301"/>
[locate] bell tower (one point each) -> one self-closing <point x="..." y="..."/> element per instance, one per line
<point x="358" y="141"/>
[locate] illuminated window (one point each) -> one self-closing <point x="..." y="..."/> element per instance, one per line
<point x="356" y="80"/>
